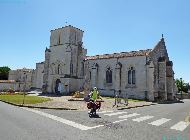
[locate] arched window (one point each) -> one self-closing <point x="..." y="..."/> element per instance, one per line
<point x="59" y="69"/>
<point x="131" y="76"/>
<point x="108" y="75"/>
<point x="71" y="68"/>
<point x="90" y="74"/>
<point x="82" y="68"/>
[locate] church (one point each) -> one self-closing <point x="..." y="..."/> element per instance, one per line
<point x="143" y="74"/>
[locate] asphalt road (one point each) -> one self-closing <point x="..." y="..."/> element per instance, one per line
<point x="157" y="122"/>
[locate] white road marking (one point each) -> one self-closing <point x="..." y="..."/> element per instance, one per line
<point x="129" y="115"/>
<point x="64" y="121"/>
<point x="160" y="121"/>
<point x="104" y="112"/>
<point x="143" y="118"/>
<point x="180" y="126"/>
<point x="116" y="113"/>
<point x="120" y="121"/>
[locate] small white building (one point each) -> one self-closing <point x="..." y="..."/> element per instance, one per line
<point x="22" y="79"/>
<point x="8" y="85"/>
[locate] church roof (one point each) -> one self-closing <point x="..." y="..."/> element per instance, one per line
<point x="120" y="55"/>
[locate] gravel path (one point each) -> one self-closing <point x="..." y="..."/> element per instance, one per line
<point x="62" y="102"/>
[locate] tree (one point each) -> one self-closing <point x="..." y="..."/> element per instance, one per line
<point x="182" y="86"/>
<point x="188" y="86"/>
<point x="4" y="72"/>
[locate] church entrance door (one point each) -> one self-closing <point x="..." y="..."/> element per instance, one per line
<point x="57" y="83"/>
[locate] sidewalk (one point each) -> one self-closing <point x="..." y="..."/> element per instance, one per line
<point x="79" y="104"/>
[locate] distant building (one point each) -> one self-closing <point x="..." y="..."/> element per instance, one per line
<point x="8" y="85"/>
<point x="144" y="74"/>
<point x="19" y="80"/>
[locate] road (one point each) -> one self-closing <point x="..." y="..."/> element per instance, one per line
<point x="157" y="122"/>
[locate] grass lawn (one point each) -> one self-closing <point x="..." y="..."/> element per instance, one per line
<point x="18" y="99"/>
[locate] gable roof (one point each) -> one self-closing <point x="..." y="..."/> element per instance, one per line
<point x="120" y="55"/>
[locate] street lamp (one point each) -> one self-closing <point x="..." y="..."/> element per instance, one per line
<point x="24" y="89"/>
<point x="181" y="86"/>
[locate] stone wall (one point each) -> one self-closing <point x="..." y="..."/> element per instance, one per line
<point x="66" y="35"/>
<point x="15" y="86"/>
<point x="183" y="96"/>
<point x="170" y="80"/>
<point x="6" y="86"/>
<point x="98" y="68"/>
<point x="23" y="78"/>
<point x="39" y="73"/>
<point x="150" y="81"/>
<point x="162" y="85"/>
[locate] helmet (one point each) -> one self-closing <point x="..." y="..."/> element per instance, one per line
<point x="95" y="88"/>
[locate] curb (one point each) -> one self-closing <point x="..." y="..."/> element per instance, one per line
<point x="170" y="102"/>
<point x="58" y="108"/>
<point x="134" y="106"/>
<point x="39" y="107"/>
<point x="75" y="100"/>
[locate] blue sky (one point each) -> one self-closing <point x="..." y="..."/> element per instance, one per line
<point x="109" y="26"/>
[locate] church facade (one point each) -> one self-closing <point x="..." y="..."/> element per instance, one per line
<point x="64" y="61"/>
<point x="144" y="74"/>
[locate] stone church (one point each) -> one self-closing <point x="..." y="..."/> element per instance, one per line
<point x="144" y="74"/>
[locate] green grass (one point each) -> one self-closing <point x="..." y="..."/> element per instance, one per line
<point x="18" y="99"/>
